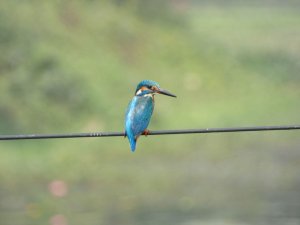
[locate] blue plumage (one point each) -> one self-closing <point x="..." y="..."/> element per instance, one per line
<point x="138" y="117"/>
<point x="140" y="110"/>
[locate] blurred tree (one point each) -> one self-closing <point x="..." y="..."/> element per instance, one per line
<point x="154" y="10"/>
<point x="32" y="87"/>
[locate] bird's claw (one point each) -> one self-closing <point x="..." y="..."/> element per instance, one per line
<point x="146" y="132"/>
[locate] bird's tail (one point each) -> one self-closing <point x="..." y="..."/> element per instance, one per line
<point x="132" y="141"/>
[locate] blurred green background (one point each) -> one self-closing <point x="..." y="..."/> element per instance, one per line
<point x="72" y="66"/>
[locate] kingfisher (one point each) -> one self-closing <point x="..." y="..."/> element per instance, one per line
<point x="140" y="110"/>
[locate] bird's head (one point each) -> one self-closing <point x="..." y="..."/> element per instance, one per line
<point x="147" y="87"/>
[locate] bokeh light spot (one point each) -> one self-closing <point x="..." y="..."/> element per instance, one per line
<point x="58" y="188"/>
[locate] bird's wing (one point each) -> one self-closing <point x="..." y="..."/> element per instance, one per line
<point x="138" y="115"/>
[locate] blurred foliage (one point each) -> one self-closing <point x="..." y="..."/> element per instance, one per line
<point x="72" y="66"/>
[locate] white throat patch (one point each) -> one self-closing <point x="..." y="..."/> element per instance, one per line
<point x="148" y="95"/>
<point x="139" y="92"/>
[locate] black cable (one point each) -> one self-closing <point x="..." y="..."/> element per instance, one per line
<point x="158" y="132"/>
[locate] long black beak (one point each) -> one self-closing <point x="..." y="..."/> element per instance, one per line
<point x="165" y="92"/>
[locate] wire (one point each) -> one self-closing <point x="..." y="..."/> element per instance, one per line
<point x="158" y="132"/>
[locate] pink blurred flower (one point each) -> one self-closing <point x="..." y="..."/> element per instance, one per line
<point x="58" y="188"/>
<point x="58" y="220"/>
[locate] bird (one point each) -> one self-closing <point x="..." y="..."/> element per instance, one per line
<point x="140" y="109"/>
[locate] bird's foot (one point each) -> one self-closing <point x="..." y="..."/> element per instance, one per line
<point x="146" y="132"/>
